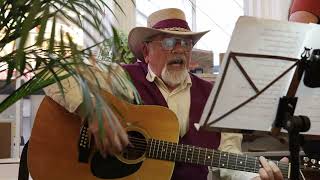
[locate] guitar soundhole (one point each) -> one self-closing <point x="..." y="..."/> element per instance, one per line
<point x="137" y="148"/>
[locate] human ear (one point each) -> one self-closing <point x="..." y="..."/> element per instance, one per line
<point x="145" y="52"/>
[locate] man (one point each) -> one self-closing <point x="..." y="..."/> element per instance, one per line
<point x="161" y="78"/>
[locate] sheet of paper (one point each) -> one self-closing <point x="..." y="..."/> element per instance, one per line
<point x="268" y="37"/>
<point x="255" y="36"/>
<point x="260" y="112"/>
<point x="309" y="98"/>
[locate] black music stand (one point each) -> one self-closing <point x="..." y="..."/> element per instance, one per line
<point x="293" y="124"/>
<point x="284" y="117"/>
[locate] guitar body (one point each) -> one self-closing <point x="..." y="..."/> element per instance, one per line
<point x="153" y="131"/>
<point x="53" y="145"/>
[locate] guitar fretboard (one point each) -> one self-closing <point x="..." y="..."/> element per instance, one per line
<point x="163" y="150"/>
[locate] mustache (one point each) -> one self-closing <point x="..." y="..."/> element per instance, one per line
<point x="177" y="60"/>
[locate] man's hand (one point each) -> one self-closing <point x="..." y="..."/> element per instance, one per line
<point x="270" y="170"/>
<point x="113" y="141"/>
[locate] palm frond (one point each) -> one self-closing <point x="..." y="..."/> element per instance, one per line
<point x="56" y="54"/>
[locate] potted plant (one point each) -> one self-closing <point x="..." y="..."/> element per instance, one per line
<point x="55" y="54"/>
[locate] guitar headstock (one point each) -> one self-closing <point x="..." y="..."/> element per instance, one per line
<point x="310" y="168"/>
<point x="310" y="163"/>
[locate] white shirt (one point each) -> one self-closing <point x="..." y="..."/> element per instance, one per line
<point x="178" y="100"/>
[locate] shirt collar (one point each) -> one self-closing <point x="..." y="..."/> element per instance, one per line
<point x="150" y="76"/>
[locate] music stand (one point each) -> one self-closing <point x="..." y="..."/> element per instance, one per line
<point x="293" y="124"/>
<point x="284" y="116"/>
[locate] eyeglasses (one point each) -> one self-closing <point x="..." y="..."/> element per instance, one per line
<point x="169" y="43"/>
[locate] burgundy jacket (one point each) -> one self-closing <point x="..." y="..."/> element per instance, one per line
<point x="200" y="91"/>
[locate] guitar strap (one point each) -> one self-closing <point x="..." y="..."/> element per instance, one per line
<point x="23" y="165"/>
<point x="84" y="143"/>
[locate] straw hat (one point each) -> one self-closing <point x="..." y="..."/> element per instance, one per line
<point x="166" y="21"/>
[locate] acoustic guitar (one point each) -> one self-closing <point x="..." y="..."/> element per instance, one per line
<point x="153" y="131"/>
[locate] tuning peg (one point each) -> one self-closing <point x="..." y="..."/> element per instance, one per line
<point x="314" y="163"/>
<point x="305" y="162"/>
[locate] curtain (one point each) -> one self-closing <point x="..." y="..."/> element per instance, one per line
<point x="269" y="9"/>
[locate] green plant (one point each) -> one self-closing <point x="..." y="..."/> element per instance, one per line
<point x="116" y="49"/>
<point x="55" y="55"/>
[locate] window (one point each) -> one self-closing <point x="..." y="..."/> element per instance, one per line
<point x="146" y="7"/>
<point x="219" y="17"/>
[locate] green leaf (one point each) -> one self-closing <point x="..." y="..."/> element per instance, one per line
<point x="43" y="25"/>
<point x="62" y="52"/>
<point x="63" y="59"/>
<point x="52" y="36"/>
<point x="99" y="114"/>
<point x="31" y="86"/>
<point x="11" y="67"/>
<point x="38" y="62"/>
<point x="22" y="62"/>
<point x="26" y="27"/>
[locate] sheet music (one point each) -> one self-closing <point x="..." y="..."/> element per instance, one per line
<point x="308" y="103"/>
<point x="255" y="36"/>
<point x="260" y="112"/>
<point x="268" y="37"/>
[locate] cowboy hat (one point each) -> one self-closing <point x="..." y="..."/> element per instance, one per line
<point x="166" y="21"/>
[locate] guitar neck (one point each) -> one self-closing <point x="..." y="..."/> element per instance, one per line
<point x="163" y="150"/>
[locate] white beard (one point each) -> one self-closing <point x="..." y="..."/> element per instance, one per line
<point x="173" y="78"/>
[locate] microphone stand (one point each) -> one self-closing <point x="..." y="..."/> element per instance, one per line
<point x="293" y="124"/>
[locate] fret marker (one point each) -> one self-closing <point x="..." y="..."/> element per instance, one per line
<point x="240" y="162"/>
<point x="209" y="157"/>
<point x="223" y="165"/>
<point x="224" y="154"/>
<point x="163" y="149"/>
<point x="188" y="159"/>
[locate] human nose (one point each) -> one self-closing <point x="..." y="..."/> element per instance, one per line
<point x="178" y="48"/>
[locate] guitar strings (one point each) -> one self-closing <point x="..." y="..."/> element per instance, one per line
<point x="284" y="169"/>
<point x="143" y="144"/>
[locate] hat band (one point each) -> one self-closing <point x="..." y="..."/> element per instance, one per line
<point x="172" y="23"/>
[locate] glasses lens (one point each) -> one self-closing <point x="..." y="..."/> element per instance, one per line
<point x="168" y="43"/>
<point x="186" y="43"/>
